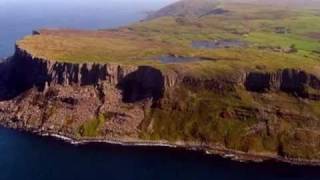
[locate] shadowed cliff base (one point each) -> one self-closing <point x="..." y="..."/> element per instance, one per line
<point x="27" y="72"/>
<point x="292" y="81"/>
<point x="4" y="70"/>
<point x="146" y="82"/>
<point x="22" y="73"/>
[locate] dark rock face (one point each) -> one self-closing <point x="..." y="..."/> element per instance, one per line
<point x="28" y="72"/>
<point x="4" y="70"/>
<point x="91" y="76"/>
<point x="258" y="82"/>
<point x="146" y="82"/>
<point x="292" y="81"/>
<point x="25" y="74"/>
<point x="136" y="83"/>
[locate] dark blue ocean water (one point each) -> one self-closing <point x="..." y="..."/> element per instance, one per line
<point x="19" y="17"/>
<point x="28" y="157"/>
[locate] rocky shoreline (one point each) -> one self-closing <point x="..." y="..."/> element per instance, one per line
<point x="225" y="153"/>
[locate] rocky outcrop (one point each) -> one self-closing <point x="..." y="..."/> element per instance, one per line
<point x="142" y="82"/>
<point x="29" y="71"/>
<point x="293" y="81"/>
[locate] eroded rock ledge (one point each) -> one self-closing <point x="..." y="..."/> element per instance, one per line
<point x="293" y="81"/>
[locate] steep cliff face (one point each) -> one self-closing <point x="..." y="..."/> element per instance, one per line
<point x="38" y="72"/>
<point x="293" y="81"/>
<point x="27" y="71"/>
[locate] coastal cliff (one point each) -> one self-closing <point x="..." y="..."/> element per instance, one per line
<point x="125" y="103"/>
<point x="60" y="97"/>
<point x="29" y="71"/>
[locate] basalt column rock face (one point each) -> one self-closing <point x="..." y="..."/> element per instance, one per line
<point x="291" y="81"/>
<point x="136" y="82"/>
<point x="296" y="81"/>
<point x="28" y="71"/>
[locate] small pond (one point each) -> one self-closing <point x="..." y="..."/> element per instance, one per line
<point x="166" y="59"/>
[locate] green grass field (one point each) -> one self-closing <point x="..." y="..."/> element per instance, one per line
<point x="141" y="42"/>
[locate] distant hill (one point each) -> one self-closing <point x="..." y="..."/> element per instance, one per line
<point x="198" y="8"/>
<point x="295" y="3"/>
<point x="188" y="8"/>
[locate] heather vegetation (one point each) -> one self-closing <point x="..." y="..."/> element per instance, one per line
<point x="92" y="128"/>
<point x="237" y="119"/>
